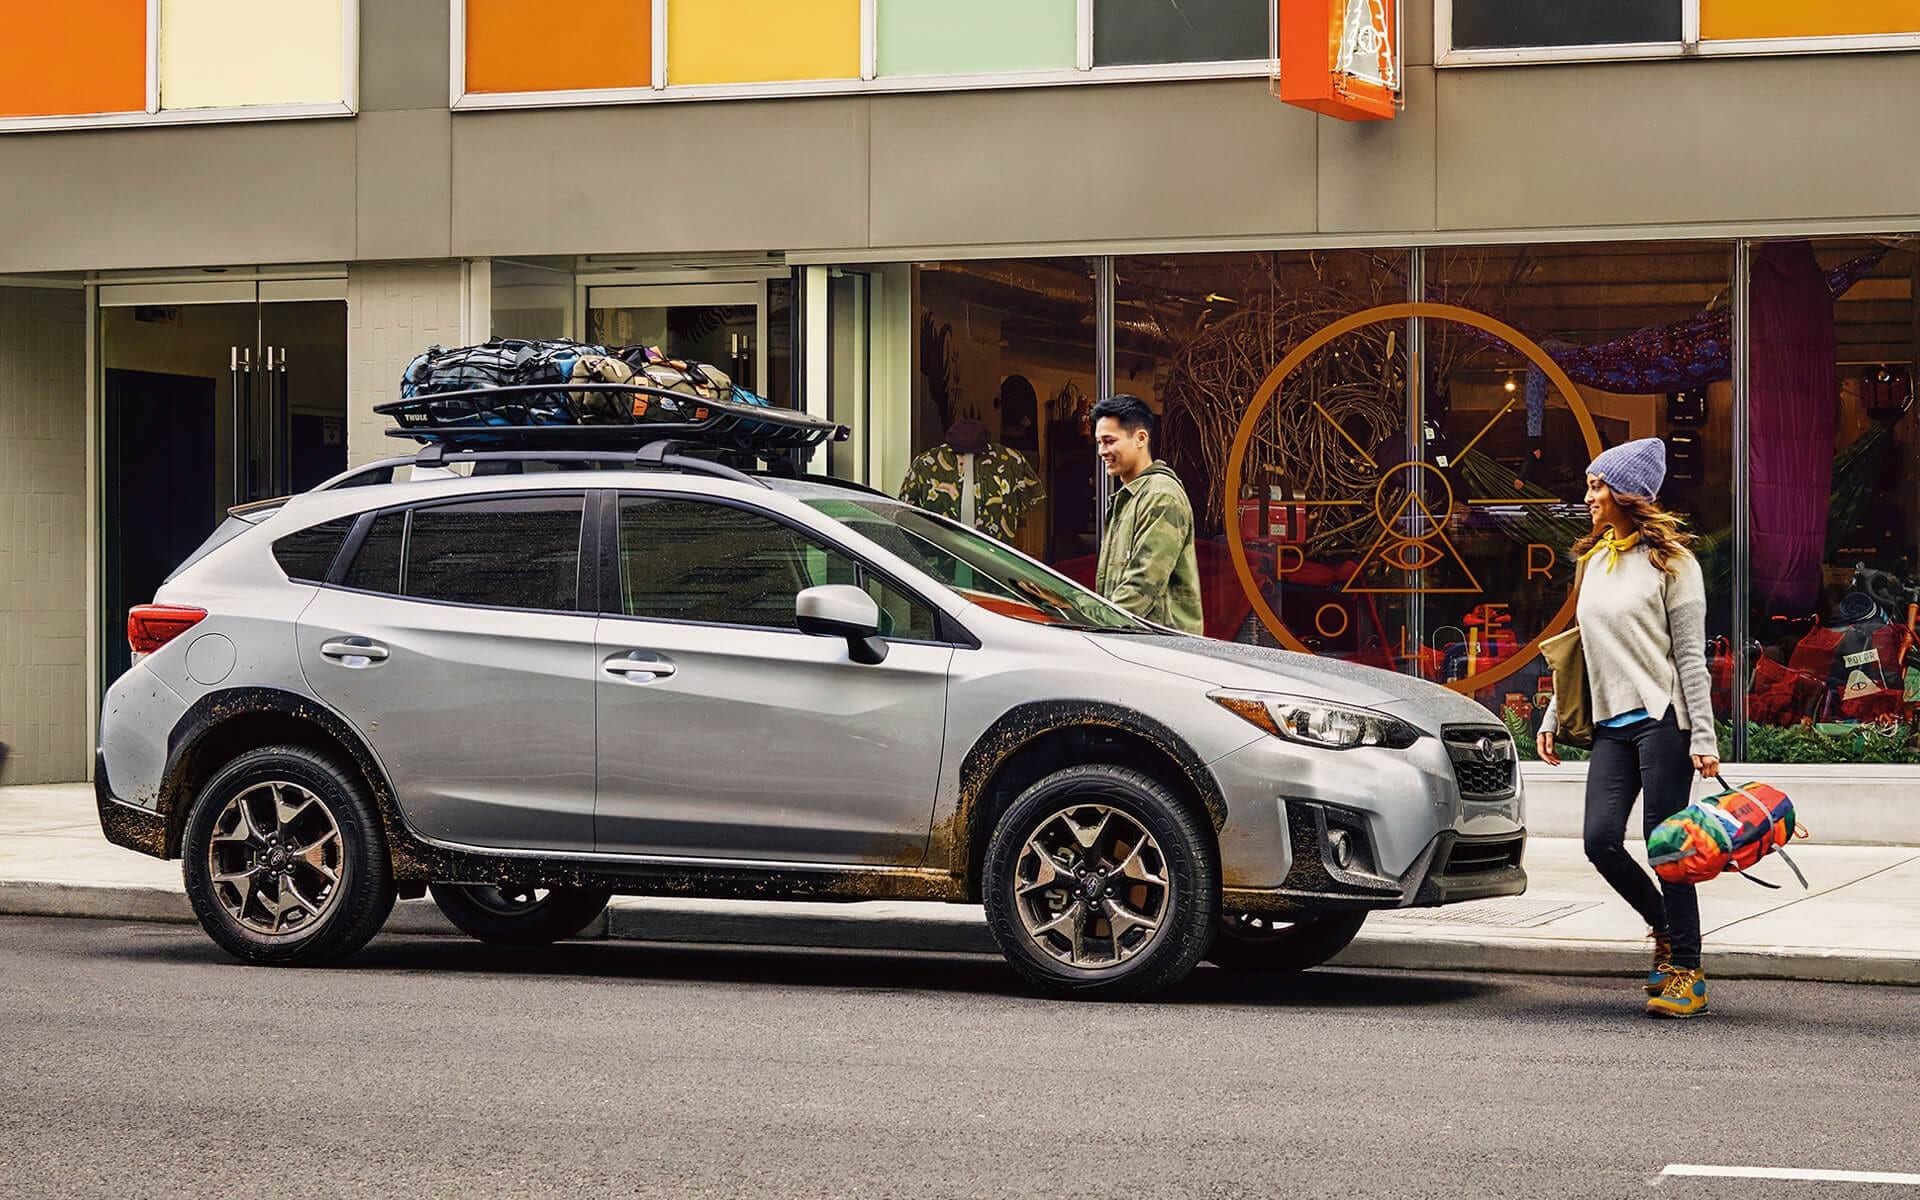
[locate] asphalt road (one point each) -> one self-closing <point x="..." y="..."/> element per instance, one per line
<point x="136" y="1060"/>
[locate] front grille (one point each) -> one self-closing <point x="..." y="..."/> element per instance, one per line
<point x="1470" y="749"/>
<point x="1484" y="857"/>
<point x="1484" y="779"/>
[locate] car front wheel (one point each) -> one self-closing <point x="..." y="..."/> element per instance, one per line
<point x="1253" y="942"/>
<point x="1100" y="883"/>
<point x="519" y="916"/>
<point x="284" y="859"/>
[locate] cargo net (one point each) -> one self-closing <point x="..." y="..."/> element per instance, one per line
<point x="676" y="389"/>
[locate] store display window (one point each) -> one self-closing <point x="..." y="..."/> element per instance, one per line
<point x="1831" y="670"/>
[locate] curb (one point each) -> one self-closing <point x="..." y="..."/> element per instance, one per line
<point x="959" y="929"/>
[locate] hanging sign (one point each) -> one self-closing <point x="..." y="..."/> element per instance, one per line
<point x="1339" y="58"/>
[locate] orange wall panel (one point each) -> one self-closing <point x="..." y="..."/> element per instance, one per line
<point x="557" y="45"/>
<point x="69" y="57"/>
<point x="1724" y="19"/>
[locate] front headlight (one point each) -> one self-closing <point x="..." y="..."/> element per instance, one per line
<point x="1316" y="722"/>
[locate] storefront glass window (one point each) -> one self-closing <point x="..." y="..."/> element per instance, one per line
<point x="1322" y="476"/>
<point x="1644" y="333"/>
<point x="1001" y="356"/>
<point x="1831" y="671"/>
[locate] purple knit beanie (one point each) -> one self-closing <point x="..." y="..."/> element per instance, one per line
<point x="1635" y="468"/>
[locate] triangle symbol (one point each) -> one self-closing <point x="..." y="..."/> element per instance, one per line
<point x="1417" y="578"/>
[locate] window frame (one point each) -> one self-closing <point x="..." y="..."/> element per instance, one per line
<point x="586" y="581"/>
<point x="1690" y="45"/>
<point x="347" y="106"/>
<point x="869" y="81"/>
<point x="947" y="630"/>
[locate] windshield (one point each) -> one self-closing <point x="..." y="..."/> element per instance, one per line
<point x="986" y="572"/>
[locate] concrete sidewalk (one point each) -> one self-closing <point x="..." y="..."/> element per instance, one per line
<point x="1859" y="921"/>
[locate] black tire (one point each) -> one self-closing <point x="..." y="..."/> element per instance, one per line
<point x="1248" y="943"/>
<point x="349" y="910"/>
<point x="498" y="916"/>
<point x="1189" y="905"/>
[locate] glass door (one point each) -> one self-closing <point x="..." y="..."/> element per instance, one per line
<point x="721" y="324"/>
<point x="212" y="394"/>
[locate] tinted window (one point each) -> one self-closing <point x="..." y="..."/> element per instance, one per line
<point x="308" y="554"/>
<point x="1167" y="31"/>
<point x="504" y="552"/>
<point x="376" y="568"/>
<point x="1482" y="24"/>
<point x="686" y="560"/>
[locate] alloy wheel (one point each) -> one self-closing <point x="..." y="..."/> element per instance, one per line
<point x="1092" y="887"/>
<point x="508" y="901"/>
<point x="276" y="859"/>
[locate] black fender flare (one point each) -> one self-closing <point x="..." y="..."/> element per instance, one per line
<point x="1019" y="727"/>
<point x="215" y="709"/>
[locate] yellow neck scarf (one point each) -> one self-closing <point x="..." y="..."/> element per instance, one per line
<point x="1613" y="546"/>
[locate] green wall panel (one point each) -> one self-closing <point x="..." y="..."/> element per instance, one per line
<point x="969" y="37"/>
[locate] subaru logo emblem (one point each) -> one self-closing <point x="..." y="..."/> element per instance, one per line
<point x="1489" y="752"/>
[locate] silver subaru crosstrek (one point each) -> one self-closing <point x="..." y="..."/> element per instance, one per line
<point x="529" y="688"/>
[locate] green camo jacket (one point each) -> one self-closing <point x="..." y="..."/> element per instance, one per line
<point x="1147" y="563"/>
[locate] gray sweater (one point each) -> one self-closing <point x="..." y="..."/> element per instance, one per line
<point x="1644" y="634"/>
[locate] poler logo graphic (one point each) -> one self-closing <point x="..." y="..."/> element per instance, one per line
<point x="1408" y="548"/>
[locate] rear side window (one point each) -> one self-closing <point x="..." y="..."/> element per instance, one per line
<point x="228" y="530"/>
<point x="376" y="568"/>
<point x="502" y="552"/>
<point x="308" y="555"/>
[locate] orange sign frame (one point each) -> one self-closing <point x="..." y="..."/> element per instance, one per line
<point x="1312" y="75"/>
<point x="1270" y="387"/>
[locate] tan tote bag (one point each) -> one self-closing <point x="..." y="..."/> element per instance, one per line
<point x="1572" y="698"/>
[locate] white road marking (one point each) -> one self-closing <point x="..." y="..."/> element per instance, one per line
<point x="1793" y="1173"/>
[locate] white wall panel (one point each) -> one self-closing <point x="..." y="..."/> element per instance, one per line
<point x="224" y="53"/>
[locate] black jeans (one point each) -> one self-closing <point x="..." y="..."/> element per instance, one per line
<point x="1652" y="756"/>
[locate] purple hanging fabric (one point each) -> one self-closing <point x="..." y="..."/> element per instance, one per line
<point x="1793" y="397"/>
<point x="1689" y="353"/>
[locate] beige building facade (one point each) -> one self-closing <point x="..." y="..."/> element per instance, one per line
<point x="904" y="259"/>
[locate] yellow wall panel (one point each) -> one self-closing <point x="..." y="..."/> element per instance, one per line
<point x="1724" y="19"/>
<point x="222" y="53"/>
<point x="759" y="41"/>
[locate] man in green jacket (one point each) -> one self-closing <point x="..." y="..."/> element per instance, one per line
<point x="1146" y="557"/>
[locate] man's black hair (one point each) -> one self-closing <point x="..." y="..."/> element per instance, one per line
<point x="1130" y="410"/>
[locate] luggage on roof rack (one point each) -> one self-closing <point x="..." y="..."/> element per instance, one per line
<point x="651" y="415"/>
<point x="558" y="394"/>
<point x="511" y="382"/>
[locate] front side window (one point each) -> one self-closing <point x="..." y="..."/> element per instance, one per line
<point x="690" y="560"/>
<point x="501" y="552"/>
<point x="983" y="570"/>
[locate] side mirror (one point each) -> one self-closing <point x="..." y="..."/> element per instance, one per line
<point x="838" y="610"/>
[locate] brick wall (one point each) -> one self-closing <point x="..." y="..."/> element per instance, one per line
<point x="394" y="311"/>
<point x="43" y="535"/>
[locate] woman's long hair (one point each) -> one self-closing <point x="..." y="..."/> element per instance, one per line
<point x="1665" y="534"/>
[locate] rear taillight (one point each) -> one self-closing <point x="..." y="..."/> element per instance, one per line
<point x="151" y="626"/>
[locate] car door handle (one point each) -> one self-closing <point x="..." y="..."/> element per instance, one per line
<point x="641" y="663"/>
<point x="347" y="649"/>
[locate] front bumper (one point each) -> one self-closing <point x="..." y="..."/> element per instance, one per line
<point x="1451" y="868"/>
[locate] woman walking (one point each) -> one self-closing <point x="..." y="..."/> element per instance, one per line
<point x="1642" y="611"/>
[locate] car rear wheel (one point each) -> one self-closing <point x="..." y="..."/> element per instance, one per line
<point x="1100" y="883"/>
<point x="1253" y="942"/>
<point x="519" y="916"/>
<point x="284" y="859"/>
